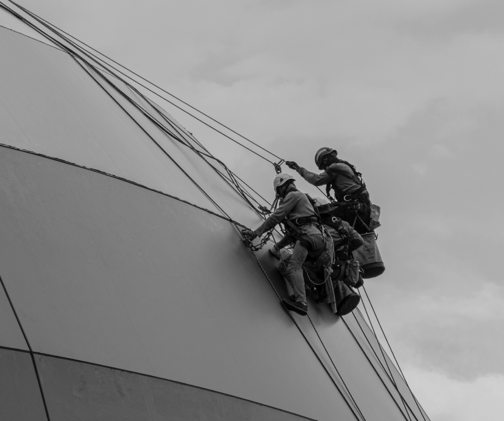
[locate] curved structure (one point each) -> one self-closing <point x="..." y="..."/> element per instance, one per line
<point x="126" y="293"/>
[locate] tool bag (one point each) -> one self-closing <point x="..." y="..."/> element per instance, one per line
<point x="346" y="298"/>
<point x="368" y="255"/>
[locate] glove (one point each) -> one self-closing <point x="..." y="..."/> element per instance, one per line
<point x="248" y="234"/>
<point x="292" y="165"/>
<point x="275" y="252"/>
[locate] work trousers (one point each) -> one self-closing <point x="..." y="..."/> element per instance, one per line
<point x="292" y="270"/>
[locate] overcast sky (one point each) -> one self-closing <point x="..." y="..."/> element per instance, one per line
<point x="411" y="92"/>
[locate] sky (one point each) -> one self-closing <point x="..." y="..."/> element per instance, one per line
<point x="411" y="92"/>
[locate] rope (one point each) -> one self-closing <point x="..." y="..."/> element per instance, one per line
<point x="393" y="354"/>
<point x="93" y="57"/>
<point x="231" y="180"/>
<point x="335" y="368"/>
<point x="389" y="372"/>
<point x="375" y="370"/>
<point x="32" y="354"/>
<point x="166" y="153"/>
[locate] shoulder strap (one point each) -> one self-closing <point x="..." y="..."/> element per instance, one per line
<point x="357" y="175"/>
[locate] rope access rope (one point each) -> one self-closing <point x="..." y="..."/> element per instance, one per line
<point x="59" y="32"/>
<point x="406" y="413"/>
<point x="392" y="351"/>
<point x="72" y="53"/>
<point x="101" y="62"/>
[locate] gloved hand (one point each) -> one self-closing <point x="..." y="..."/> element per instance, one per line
<point x="292" y="165"/>
<point x="248" y="234"/>
<point x="275" y="252"/>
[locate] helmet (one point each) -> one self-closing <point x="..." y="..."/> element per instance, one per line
<point x="281" y="179"/>
<point x="321" y="153"/>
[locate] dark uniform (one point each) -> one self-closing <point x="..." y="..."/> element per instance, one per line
<point x="348" y="190"/>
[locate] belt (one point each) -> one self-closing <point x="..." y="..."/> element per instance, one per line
<point x="304" y="220"/>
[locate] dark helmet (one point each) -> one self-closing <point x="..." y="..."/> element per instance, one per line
<point x="321" y="153"/>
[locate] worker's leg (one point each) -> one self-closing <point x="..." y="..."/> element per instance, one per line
<point x="294" y="272"/>
<point x="282" y="268"/>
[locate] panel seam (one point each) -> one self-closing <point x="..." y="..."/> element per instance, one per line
<point x="117" y="177"/>
<point x="44" y="354"/>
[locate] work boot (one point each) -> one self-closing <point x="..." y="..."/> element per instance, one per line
<point x="346" y="298"/>
<point x="299" y="308"/>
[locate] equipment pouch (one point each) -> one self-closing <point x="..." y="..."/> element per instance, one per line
<point x="352" y="273"/>
<point x="374" y="217"/>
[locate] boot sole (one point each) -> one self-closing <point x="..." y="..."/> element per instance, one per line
<point x="288" y="306"/>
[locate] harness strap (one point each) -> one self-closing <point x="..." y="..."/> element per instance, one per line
<point x="357" y="178"/>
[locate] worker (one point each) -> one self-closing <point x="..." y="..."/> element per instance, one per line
<point x="349" y="189"/>
<point x="298" y="216"/>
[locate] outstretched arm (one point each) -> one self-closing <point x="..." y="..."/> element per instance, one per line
<point x="315" y="179"/>
<point x="279" y="215"/>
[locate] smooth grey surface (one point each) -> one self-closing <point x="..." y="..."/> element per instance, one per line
<point x="84" y="392"/>
<point x="20" y="398"/>
<point x="10" y="332"/>
<point x="107" y="272"/>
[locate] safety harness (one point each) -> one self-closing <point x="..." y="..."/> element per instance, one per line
<point x="357" y="178"/>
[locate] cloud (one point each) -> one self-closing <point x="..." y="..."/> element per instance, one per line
<point x="446" y="399"/>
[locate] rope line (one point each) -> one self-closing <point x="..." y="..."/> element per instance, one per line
<point x="389" y="372"/>
<point x="93" y="57"/>
<point x="206" y="153"/>
<point x="32" y="354"/>
<point x="375" y="370"/>
<point x="406" y="406"/>
<point x="141" y="77"/>
<point x="162" y="149"/>
<point x="334" y="365"/>
<point x="393" y="354"/>
<point x="231" y="180"/>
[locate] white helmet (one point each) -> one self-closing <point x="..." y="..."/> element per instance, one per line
<point x="281" y="179"/>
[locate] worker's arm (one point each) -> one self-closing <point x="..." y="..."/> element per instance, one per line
<point x="279" y="215"/>
<point x="321" y="179"/>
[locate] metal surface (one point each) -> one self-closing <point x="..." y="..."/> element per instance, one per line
<point x="75" y="390"/>
<point x="106" y="272"/>
<point x="20" y="398"/>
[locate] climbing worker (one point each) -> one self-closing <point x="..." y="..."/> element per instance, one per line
<point x="298" y="216"/>
<point x="349" y="189"/>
